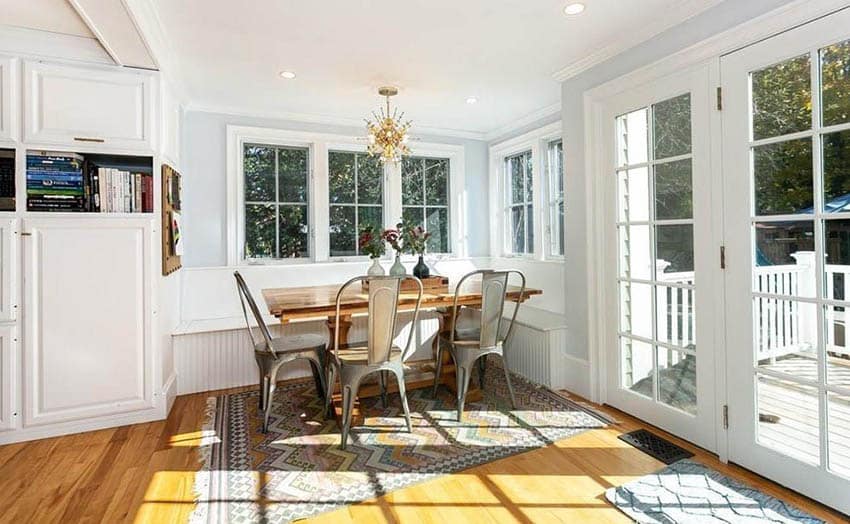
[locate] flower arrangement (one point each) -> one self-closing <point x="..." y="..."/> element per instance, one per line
<point x="415" y="239"/>
<point x="371" y="243"/>
<point x="393" y="238"/>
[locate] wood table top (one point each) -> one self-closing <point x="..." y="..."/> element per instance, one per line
<point x="320" y="301"/>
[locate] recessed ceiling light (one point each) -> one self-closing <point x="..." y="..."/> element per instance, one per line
<point x="472" y="100"/>
<point x="289" y="75"/>
<point x="574" y="9"/>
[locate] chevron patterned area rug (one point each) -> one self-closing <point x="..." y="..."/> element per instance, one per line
<point x="297" y="469"/>
<point x="688" y="492"/>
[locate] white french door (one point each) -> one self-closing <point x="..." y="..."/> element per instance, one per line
<point x="660" y="363"/>
<point x="786" y="168"/>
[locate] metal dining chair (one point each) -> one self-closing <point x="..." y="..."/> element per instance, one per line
<point x="271" y="353"/>
<point x="352" y="362"/>
<point x="469" y="345"/>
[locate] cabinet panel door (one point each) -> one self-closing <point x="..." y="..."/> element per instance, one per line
<point x="8" y="97"/>
<point x="88" y="322"/>
<point x="77" y="105"/>
<point x="8" y="269"/>
<point x="8" y="377"/>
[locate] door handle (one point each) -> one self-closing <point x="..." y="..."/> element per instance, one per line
<point x="86" y="139"/>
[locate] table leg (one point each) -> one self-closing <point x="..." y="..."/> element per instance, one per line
<point x="344" y="327"/>
<point x="448" y="377"/>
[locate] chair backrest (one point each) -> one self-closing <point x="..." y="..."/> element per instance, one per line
<point x="248" y="303"/>
<point x="384" y="293"/>
<point x="494" y="291"/>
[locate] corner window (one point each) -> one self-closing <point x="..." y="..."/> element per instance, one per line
<point x="356" y="199"/>
<point x="425" y="198"/>
<point x="276" y="199"/>
<point x="519" y="208"/>
<point x="555" y="173"/>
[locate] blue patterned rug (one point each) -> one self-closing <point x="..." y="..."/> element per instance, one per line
<point x="688" y="492"/>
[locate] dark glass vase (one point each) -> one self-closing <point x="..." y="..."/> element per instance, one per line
<point x="421" y="270"/>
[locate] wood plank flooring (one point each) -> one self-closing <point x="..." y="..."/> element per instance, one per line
<point x="145" y="473"/>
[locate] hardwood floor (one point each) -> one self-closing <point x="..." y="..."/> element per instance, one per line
<point x="145" y="473"/>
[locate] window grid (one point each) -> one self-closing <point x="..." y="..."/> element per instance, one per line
<point x="556" y="198"/>
<point x="426" y="205"/>
<point x="356" y="204"/>
<point x="525" y="205"/>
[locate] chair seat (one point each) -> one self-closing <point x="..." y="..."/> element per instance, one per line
<point x="357" y="353"/>
<point x="462" y="339"/>
<point x="292" y="344"/>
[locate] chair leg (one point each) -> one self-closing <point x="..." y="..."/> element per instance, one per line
<point x="349" y="394"/>
<point x="463" y="375"/>
<point x="263" y="379"/>
<point x="270" y="387"/>
<point x="330" y="391"/>
<point x="439" y="369"/>
<point x="318" y="378"/>
<point x="508" y="380"/>
<point x="482" y="367"/>
<point x="382" y="378"/>
<point x="399" y="375"/>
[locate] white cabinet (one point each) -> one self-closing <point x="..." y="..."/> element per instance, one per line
<point x="8" y="269"/>
<point x="75" y="105"/>
<point x="8" y="360"/>
<point x="8" y="98"/>
<point x="88" y="326"/>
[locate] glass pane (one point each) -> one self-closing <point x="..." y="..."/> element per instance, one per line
<point x="635" y="259"/>
<point x="259" y="174"/>
<point x="786" y="336"/>
<point x="837" y="349"/>
<point x="636" y="366"/>
<point x="411" y="181"/>
<point x="370" y="180"/>
<point x="343" y="236"/>
<point x="788" y="418"/>
<point x="675" y="316"/>
<point x="837" y="261"/>
<point x="516" y="175"/>
<point x="677" y="380"/>
<point x="560" y="229"/>
<point x="674" y="250"/>
<point x="436" y="181"/>
<point x="437" y="223"/>
<point x="370" y="216"/>
<point x="835" y="81"/>
<point x="529" y="217"/>
<point x="784" y="258"/>
<point x="636" y="309"/>
<point x="839" y="433"/>
<point x="636" y="136"/>
<point x="782" y="98"/>
<point x="673" y="190"/>
<point x="529" y="187"/>
<point x="293" y="232"/>
<point x="783" y="178"/>
<point x="517" y="230"/>
<point x="260" y="231"/>
<point x="634" y="195"/>
<point x="341" y="177"/>
<point x="293" y="175"/>
<point x="413" y="215"/>
<point x="556" y="167"/>
<point x="671" y="127"/>
<point x="836" y="172"/>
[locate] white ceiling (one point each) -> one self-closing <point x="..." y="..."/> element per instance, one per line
<point x="56" y="16"/>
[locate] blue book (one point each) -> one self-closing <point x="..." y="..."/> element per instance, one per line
<point x="54" y="176"/>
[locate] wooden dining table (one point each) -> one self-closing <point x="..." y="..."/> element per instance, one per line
<point x="319" y="303"/>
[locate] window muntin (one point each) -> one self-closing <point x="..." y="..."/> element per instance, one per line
<point x="556" y="197"/>
<point x="425" y="193"/>
<point x="355" y="198"/>
<point x="276" y="200"/>
<point x="519" y="208"/>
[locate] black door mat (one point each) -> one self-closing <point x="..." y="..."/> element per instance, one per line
<point x="655" y="446"/>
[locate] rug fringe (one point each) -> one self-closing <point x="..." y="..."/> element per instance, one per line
<point x="201" y="488"/>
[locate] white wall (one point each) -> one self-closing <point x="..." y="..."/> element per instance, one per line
<point x="724" y="16"/>
<point x="205" y="187"/>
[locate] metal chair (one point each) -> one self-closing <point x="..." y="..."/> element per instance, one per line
<point x="272" y="353"/>
<point x="378" y="354"/>
<point x="469" y="345"/>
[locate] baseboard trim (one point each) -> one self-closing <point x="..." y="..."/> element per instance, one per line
<point x="574" y="375"/>
<point x="68" y="428"/>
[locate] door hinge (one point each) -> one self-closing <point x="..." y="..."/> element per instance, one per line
<point x="725" y="416"/>
<point x="719" y="98"/>
<point x="722" y="257"/>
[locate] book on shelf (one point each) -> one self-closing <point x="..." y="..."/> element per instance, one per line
<point x="7" y="180"/>
<point x="70" y="182"/>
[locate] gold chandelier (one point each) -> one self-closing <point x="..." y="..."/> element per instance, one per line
<point x="388" y="132"/>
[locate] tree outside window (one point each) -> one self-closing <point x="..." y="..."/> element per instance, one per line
<point x="425" y="198"/>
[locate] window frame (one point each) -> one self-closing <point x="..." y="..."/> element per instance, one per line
<point x="509" y="205"/>
<point x="536" y="141"/>
<point x="343" y="148"/>
<point x="555" y="196"/>
<point x="424" y="205"/>
<point x="319" y="144"/>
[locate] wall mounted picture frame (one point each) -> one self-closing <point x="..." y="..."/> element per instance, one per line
<point x="172" y="240"/>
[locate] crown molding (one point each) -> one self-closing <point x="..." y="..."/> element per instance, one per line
<point x="501" y="132"/>
<point x="309" y="118"/>
<point x="674" y="16"/>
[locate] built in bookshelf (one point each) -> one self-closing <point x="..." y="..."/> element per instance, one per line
<point x="88" y="183"/>
<point x="7" y="179"/>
